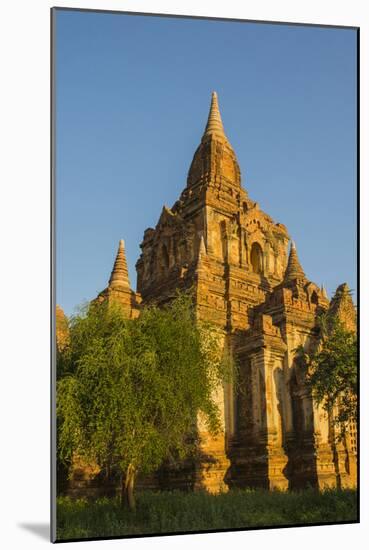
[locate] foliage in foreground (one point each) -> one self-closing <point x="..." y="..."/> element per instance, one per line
<point x="332" y="370"/>
<point x="132" y="388"/>
<point x="175" y="511"/>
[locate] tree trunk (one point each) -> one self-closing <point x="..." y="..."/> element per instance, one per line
<point x="127" y="488"/>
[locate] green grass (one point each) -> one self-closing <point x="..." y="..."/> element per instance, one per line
<point x="167" y="512"/>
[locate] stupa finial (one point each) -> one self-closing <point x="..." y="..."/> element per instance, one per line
<point x="294" y="269"/>
<point x="119" y="275"/>
<point x="214" y="124"/>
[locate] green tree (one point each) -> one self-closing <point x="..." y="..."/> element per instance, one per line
<point x="332" y="370"/>
<point x="133" y="388"/>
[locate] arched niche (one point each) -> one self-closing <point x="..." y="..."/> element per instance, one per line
<point x="175" y="250"/>
<point x="165" y="256"/>
<point x="271" y="260"/>
<point x="256" y="258"/>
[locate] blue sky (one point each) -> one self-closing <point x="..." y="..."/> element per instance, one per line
<point x="132" y="99"/>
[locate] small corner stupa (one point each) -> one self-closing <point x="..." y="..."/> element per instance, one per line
<point x="119" y="288"/>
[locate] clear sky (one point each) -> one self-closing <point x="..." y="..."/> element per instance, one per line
<point x="132" y="99"/>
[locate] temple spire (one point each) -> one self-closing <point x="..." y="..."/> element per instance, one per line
<point x="212" y="162"/>
<point x="214" y="124"/>
<point x="294" y="269"/>
<point x="119" y="275"/>
<point x="324" y="292"/>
